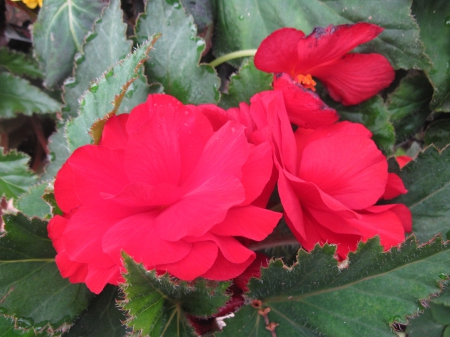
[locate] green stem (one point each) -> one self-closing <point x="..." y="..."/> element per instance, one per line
<point x="232" y="56"/>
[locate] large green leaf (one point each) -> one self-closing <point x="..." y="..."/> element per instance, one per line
<point x="59" y="33"/>
<point x="105" y="95"/>
<point x="102" y="318"/>
<point x="316" y="298"/>
<point x="433" y="20"/>
<point x="157" y="305"/>
<point x="438" y="133"/>
<point x="15" y="175"/>
<point x="32" y="289"/>
<point x="244" y="24"/>
<point x="104" y="47"/>
<point x="174" y="61"/>
<point x="374" y="115"/>
<point x="408" y="104"/>
<point x="19" y="96"/>
<point x="244" y="85"/>
<point x="18" y="64"/>
<point x="428" y="182"/>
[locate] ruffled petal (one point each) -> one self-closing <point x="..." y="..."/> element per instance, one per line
<point x="223" y="269"/>
<point x="115" y="136"/>
<point x="75" y="271"/>
<point x="304" y="107"/>
<point x="355" y="78"/>
<point x="250" y="222"/>
<point x="277" y="53"/>
<point x="97" y="278"/>
<point x="65" y="194"/>
<point x="394" y="187"/>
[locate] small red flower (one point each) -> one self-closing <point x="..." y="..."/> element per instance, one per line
<point x="329" y="180"/>
<point x="168" y="189"/>
<point x="325" y="54"/>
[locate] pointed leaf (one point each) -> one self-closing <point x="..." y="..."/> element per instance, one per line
<point x="18" y="95"/>
<point x="59" y="33"/>
<point x="15" y="175"/>
<point x="18" y="64"/>
<point x="315" y="297"/>
<point x="174" y="61"/>
<point x="105" y="95"/>
<point x="243" y="85"/>
<point x="102" y="318"/>
<point x="32" y="204"/>
<point x="27" y="264"/>
<point x="104" y="47"/>
<point x="433" y="20"/>
<point x="428" y="182"/>
<point x="244" y="24"/>
<point x="408" y="104"/>
<point x="157" y="306"/>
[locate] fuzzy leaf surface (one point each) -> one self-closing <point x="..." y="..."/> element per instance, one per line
<point x="17" y="95"/>
<point x="374" y="115"/>
<point x="157" y="306"/>
<point x="315" y="298"/>
<point x="174" y="61"/>
<point x="432" y="17"/>
<point x="243" y="85"/>
<point x="105" y="95"/>
<point x="438" y="133"/>
<point x="103" y="48"/>
<point x="59" y="33"/>
<point x="428" y="182"/>
<point x="15" y="175"/>
<point x="244" y="24"/>
<point x="408" y="104"/>
<point x="32" y="204"/>
<point x="32" y="288"/>
<point x="102" y="318"/>
<point x="18" y="64"/>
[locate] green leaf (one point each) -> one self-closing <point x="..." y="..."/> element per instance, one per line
<point x="104" y="47"/>
<point x="438" y="133"/>
<point x="245" y="84"/>
<point x="105" y="95"/>
<point x="157" y="304"/>
<point x="32" y="289"/>
<point x="32" y="204"/>
<point x="408" y="104"/>
<point x="59" y="33"/>
<point x="18" y="64"/>
<point x="59" y="152"/>
<point x="374" y="115"/>
<point x="316" y="298"/>
<point x="15" y="175"/>
<point x="428" y="182"/>
<point x="18" y="95"/>
<point x="102" y="318"/>
<point x="425" y="325"/>
<point x="174" y="61"/>
<point x="433" y="19"/>
<point x="8" y="329"/>
<point x="244" y="24"/>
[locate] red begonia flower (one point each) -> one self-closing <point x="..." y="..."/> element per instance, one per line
<point x="329" y="180"/>
<point x="168" y="189"/>
<point x="325" y="54"/>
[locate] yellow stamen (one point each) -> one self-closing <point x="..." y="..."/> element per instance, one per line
<point x="307" y="81"/>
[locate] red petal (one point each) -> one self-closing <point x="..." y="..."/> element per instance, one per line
<point x="56" y="228"/>
<point x="327" y="44"/>
<point x="250" y="222"/>
<point x="253" y="270"/>
<point x="394" y="187"/>
<point x="345" y="164"/>
<point x="355" y="78"/>
<point x="403" y="160"/>
<point x="201" y="257"/>
<point x="114" y="134"/>
<point x="225" y="270"/>
<point x="65" y="194"/>
<point x="75" y="271"/>
<point x="402" y="212"/>
<point x="304" y="107"/>
<point x="98" y="278"/>
<point x="136" y="236"/>
<point x="345" y="242"/>
<point x="278" y="52"/>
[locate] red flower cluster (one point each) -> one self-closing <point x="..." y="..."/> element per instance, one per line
<point x="167" y="189"/>
<point x="182" y="189"/>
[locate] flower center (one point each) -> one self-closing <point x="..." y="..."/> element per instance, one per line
<point x="307" y="81"/>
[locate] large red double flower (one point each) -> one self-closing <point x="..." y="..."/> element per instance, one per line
<point x="167" y="188"/>
<point x="325" y="54"/>
<point x="330" y="179"/>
